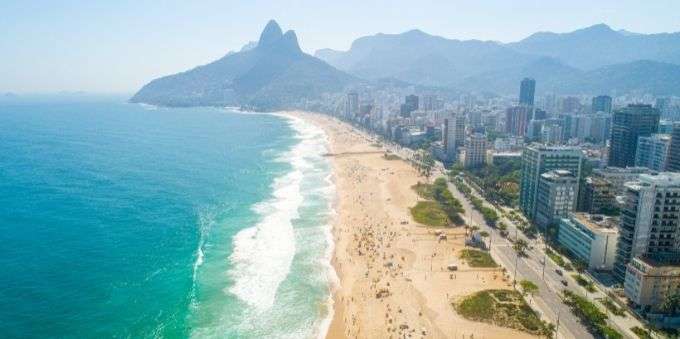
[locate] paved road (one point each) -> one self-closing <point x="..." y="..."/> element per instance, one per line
<point x="547" y="299"/>
<point x="545" y="276"/>
<point x="536" y="267"/>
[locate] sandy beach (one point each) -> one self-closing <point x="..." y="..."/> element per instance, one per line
<point x="393" y="277"/>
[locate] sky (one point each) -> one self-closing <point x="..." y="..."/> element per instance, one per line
<point x="118" y="46"/>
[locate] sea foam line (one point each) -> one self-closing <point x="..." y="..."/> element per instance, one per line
<point x="263" y="254"/>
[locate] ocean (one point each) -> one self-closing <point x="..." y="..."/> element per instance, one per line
<point x="132" y="221"/>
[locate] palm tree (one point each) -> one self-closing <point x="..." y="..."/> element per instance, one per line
<point x="520" y="247"/>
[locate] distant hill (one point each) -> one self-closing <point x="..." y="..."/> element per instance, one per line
<point x="274" y="74"/>
<point x="599" y="45"/>
<point x="642" y="76"/>
<point x="577" y="62"/>
<point x="420" y="58"/>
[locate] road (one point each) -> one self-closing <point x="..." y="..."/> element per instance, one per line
<point x="545" y="276"/>
<point x="536" y="266"/>
<point x="547" y="300"/>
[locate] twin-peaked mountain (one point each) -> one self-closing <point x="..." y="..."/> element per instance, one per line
<point x="272" y="74"/>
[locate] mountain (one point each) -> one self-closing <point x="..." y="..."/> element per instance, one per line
<point x="642" y="76"/>
<point x="420" y="58"/>
<point x="275" y="74"/>
<point x="599" y="45"/>
<point x="551" y="75"/>
<point x="558" y="61"/>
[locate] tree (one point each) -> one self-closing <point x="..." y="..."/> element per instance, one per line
<point x="520" y="246"/>
<point x="549" y="330"/>
<point x="672" y="304"/>
<point x="502" y="226"/>
<point x="528" y="287"/>
<point x="579" y="266"/>
<point x="428" y="164"/>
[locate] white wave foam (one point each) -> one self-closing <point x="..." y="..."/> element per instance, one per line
<point x="148" y="107"/>
<point x="334" y="280"/>
<point x="263" y="254"/>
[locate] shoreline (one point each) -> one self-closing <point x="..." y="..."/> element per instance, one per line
<point x="392" y="277"/>
<point x="324" y="323"/>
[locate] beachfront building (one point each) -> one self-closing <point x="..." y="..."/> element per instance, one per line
<point x="651" y="279"/>
<point x="650" y="219"/>
<point x="556" y="197"/>
<point x="591" y="238"/>
<point x="538" y="159"/>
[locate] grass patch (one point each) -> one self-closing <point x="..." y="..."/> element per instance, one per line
<point x="590" y="315"/>
<point x="585" y="283"/>
<point x="424" y="190"/>
<point x="641" y="332"/>
<point x="557" y="259"/>
<point x="502" y="308"/>
<point x="445" y="209"/>
<point x="476" y="258"/>
<point x="390" y="156"/>
<point x="618" y="311"/>
<point x="429" y="213"/>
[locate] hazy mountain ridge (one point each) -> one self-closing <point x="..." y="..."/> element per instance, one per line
<point x="561" y="62"/>
<point x="599" y="45"/>
<point x="272" y="75"/>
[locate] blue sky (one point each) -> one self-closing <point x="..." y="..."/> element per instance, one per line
<point x="118" y="46"/>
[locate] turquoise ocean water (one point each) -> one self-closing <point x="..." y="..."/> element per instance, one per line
<point x="120" y="220"/>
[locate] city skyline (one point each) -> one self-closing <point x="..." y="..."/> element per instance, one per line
<point x="44" y="46"/>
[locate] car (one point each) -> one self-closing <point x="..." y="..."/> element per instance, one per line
<point x="558" y="271"/>
<point x="564" y="282"/>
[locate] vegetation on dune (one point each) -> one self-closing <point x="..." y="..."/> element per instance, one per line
<point x="503" y="308"/>
<point x="476" y="258"/>
<point x="429" y="213"/>
<point x="440" y="203"/>
<point x="390" y="156"/>
<point x="424" y="190"/>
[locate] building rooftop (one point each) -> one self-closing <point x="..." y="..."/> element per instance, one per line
<point x="660" y="137"/>
<point x="558" y="174"/>
<point x="627" y="170"/>
<point x="543" y="147"/>
<point x="507" y="154"/>
<point x="669" y="259"/>
<point x="597" y="222"/>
